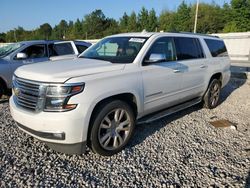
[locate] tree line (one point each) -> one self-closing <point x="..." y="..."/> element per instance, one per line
<point x="212" y="18"/>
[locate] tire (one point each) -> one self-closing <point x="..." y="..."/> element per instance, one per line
<point x="212" y="95"/>
<point x="112" y="127"/>
<point x="1" y="90"/>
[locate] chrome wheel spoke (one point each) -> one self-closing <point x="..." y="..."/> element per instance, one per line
<point x="120" y="139"/>
<point x="105" y="137"/>
<point x="123" y="129"/>
<point x="107" y="141"/>
<point x="115" y="144"/>
<point x="105" y="126"/>
<point x="119" y="113"/>
<point x="107" y="120"/>
<point x="124" y="123"/>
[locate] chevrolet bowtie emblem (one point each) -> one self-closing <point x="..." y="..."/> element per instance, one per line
<point x="17" y="91"/>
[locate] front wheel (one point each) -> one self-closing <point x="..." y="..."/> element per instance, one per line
<point x="112" y="128"/>
<point x="1" y="90"/>
<point x="211" y="98"/>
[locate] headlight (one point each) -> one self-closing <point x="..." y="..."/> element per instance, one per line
<point x="57" y="97"/>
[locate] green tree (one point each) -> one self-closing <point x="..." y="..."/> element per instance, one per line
<point x="183" y="18"/>
<point x="94" y="24"/>
<point x="63" y="26"/>
<point x="2" y="37"/>
<point x="132" y="23"/>
<point x="112" y="27"/>
<point x="210" y="18"/>
<point x="167" y="21"/>
<point x="124" y="23"/>
<point x="45" y="30"/>
<point x="241" y="14"/>
<point x="78" y="29"/>
<point x="152" y="21"/>
<point x="143" y="19"/>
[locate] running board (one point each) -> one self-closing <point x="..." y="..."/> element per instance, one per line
<point x="168" y="111"/>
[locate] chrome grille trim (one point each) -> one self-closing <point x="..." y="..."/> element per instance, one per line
<point x="27" y="94"/>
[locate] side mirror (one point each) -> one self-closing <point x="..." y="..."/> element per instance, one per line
<point x="155" y="58"/>
<point x="21" y="55"/>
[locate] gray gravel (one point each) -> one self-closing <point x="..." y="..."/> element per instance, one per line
<point x="182" y="150"/>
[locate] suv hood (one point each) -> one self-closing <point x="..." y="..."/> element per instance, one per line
<point x="60" y="71"/>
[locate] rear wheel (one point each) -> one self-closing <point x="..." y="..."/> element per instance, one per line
<point x="112" y="128"/>
<point x="212" y="95"/>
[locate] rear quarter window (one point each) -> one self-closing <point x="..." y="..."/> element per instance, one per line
<point x="217" y="48"/>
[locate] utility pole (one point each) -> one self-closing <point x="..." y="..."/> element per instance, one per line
<point x="196" y="16"/>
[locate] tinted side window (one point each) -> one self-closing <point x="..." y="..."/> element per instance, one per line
<point x="81" y="48"/>
<point x="61" y="49"/>
<point x="188" y="48"/>
<point x="164" y="48"/>
<point x="216" y="47"/>
<point x="36" y="51"/>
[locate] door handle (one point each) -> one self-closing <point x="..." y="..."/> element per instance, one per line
<point x="176" y="71"/>
<point x="203" y="66"/>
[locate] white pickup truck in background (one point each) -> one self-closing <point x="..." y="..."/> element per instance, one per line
<point x="98" y="98"/>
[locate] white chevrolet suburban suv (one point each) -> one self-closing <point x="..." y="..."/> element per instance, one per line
<point x="124" y="79"/>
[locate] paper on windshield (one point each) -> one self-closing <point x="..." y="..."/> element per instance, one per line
<point x="139" y="40"/>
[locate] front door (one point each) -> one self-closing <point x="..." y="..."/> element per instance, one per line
<point x="35" y="54"/>
<point x="161" y="74"/>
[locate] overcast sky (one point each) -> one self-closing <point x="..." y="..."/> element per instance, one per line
<point x="30" y="14"/>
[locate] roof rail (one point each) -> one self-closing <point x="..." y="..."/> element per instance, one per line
<point x="198" y="34"/>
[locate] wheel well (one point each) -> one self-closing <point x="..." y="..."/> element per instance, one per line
<point x="217" y="76"/>
<point x="126" y="97"/>
<point x="2" y="82"/>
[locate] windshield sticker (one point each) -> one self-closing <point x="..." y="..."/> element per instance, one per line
<point x="140" y="40"/>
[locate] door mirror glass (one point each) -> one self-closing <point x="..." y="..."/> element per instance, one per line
<point x="155" y="57"/>
<point x="21" y="55"/>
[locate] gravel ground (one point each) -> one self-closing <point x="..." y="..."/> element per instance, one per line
<point x="182" y="150"/>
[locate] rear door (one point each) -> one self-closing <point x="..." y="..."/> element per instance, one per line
<point x="194" y="66"/>
<point x="161" y="79"/>
<point x="62" y="50"/>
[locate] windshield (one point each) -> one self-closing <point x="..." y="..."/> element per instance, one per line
<point x="116" y="49"/>
<point x="8" y="49"/>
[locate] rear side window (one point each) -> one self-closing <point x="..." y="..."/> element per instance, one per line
<point x="81" y="48"/>
<point x="61" y="49"/>
<point x="217" y="48"/>
<point x="188" y="48"/>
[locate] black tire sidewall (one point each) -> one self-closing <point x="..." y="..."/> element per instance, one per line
<point x="1" y="91"/>
<point x="99" y="115"/>
<point x="207" y="97"/>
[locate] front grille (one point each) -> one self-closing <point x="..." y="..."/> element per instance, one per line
<point x="26" y="93"/>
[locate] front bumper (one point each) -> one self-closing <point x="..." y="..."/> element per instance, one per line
<point x="58" y="130"/>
